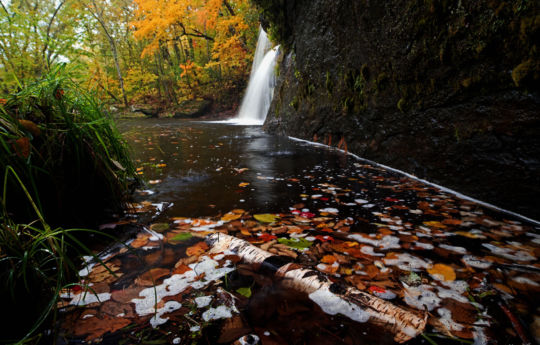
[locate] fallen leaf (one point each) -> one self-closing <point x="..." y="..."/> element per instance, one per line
<point x="299" y="243"/>
<point x="151" y="277"/>
<point x="197" y="249"/>
<point x="22" y="147"/>
<point x="444" y="271"/>
<point x="328" y="259"/>
<point x="265" y="217"/>
<point x="231" y="216"/>
<point x="95" y="327"/>
<point x="244" y="291"/>
<point x="181" y="237"/>
<point x="267" y="237"/>
<point x="159" y="227"/>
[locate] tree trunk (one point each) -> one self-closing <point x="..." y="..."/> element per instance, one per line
<point x="333" y="298"/>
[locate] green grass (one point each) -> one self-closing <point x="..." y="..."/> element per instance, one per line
<point x="62" y="163"/>
<point x="65" y="149"/>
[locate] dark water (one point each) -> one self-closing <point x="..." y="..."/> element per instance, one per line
<point x="196" y="169"/>
<point x="200" y="176"/>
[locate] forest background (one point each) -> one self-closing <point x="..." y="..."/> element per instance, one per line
<point x="132" y="52"/>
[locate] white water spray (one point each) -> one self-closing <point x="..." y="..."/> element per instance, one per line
<point x="260" y="90"/>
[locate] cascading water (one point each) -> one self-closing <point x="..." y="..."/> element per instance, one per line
<point x="263" y="46"/>
<point x="260" y="90"/>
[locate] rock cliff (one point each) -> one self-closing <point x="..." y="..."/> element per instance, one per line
<point x="447" y="90"/>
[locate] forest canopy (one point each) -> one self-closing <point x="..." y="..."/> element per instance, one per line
<point x="129" y="52"/>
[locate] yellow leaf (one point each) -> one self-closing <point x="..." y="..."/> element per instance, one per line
<point x="265" y="217"/>
<point x="230" y="216"/>
<point x="444" y="271"/>
<point x="435" y="224"/>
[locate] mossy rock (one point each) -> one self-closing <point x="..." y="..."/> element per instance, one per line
<point x="193" y="108"/>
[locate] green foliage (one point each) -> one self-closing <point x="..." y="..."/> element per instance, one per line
<point x="61" y="159"/>
<point x="35" y="264"/>
<point x="65" y="148"/>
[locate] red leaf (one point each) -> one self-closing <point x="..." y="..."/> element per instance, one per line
<point x="376" y="289"/>
<point x="324" y="238"/>
<point x="267" y="237"/>
<point x="307" y="215"/>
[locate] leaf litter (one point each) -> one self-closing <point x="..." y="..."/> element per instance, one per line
<point x="474" y="271"/>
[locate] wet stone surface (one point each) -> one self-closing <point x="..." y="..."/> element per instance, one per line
<point x="472" y="270"/>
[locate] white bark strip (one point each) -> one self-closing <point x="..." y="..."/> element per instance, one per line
<point x="353" y="303"/>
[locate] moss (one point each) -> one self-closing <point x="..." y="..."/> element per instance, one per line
<point x="526" y="73"/>
<point x="347" y="105"/>
<point x="297" y="74"/>
<point x="382" y="82"/>
<point x="364" y="71"/>
<point x="295" y="103"/>
<point x="310" y="88"/>
<point x="329" y="83"/>
<point x="402" y="105"/>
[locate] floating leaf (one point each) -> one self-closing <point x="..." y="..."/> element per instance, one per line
<point x="444" y="271"/>
<point x="197" y="249"/>
<point x="159" y="227"/>
<point x="267" y="237"/>
<point x="244" y="291"/>
<point x="299" y="243"/>
<point x="182" y="237"/>
<point x="265" y="217"/>
<point x="231" y="216"/>
<point x="435" y="224"/>
<point x="328" y="259"/>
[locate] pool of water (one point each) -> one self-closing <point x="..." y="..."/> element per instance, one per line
<point x="475" y="268"/>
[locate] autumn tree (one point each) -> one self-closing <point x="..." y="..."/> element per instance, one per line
<point x="198" y="46"/>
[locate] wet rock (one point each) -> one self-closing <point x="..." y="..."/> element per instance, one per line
<point x="193" y="109"/>
<point x="435" y="90"/>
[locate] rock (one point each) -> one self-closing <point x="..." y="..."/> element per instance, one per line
<point x="193" y="109"/>
<point x="152" y="112"/>
<point x="434" y="90"/>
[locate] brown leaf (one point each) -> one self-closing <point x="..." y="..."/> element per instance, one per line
<point x="22" y="147"/>
<point x="115" y="309"/>
<point x="95" y="327"/>
<point x="152" y="276"/>
<point x="125" y="295"/>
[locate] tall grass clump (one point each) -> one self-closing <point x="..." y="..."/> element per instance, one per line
<point x="65" y="149"/>
<point x="62" y="164"/>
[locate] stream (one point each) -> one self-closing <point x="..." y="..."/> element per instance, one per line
<point x="472" y="268"/>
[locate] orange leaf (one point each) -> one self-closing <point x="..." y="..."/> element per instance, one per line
<point x="197" y="249"/>
<point x="22" y="147"/>
<point x="328" y="259"/>
<point x="230" y="216"/>
<point x="444" y="271"/>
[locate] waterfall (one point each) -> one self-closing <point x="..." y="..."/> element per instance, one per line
<point x="263" y="46"/>
<point x="260" y="90"/>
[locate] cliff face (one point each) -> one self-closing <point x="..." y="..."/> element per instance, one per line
<point x="446" y="90"/>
